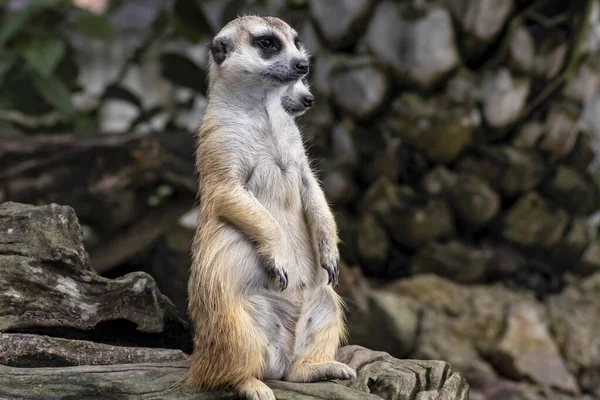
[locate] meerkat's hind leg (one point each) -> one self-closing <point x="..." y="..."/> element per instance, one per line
<point x="318" y="336"/>
<point x="254" y="389"/>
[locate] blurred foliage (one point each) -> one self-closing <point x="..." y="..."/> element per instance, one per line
<point x="39" y="73"/>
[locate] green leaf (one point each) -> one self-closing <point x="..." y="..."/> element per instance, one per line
<point x="55" y="92"/>
<point x="45" y="54"/>
<point x="94" y="26"/>
<point x="192" y="18"/>
<point x="119" y="92"/>
<point x="9" y="130"/>
<point x="12" y="23"/>
<point x="183" y="72"/>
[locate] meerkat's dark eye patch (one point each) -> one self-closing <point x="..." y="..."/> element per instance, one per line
<point x="268" y="45"/>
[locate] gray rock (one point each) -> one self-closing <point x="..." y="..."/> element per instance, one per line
<point x="527" y="350"/>
<point x="575" y="321"/>
<point x="528" y="135"/>
<point x="441" y="382"/>
<point x="419" y="50"/>
<point x="551" y="55"/>
<point x="521" y="50"/>
<point x="321" y="71"/>
<point x="373" y="244"/>
<point x="453" y="260"/>
<point x="359" y="87"/>
<point x="342" y="145"/>
<point x="340" y="22"/>
<point x="584" y="85"/>
<point x="480" y="20"/>
<point x="339" y="186"/>
<point x="507" y="170"/>
<point x="561" y="130"/>
<point x="503" y="97"/>
<point x="411" y="219"/>
<point x="572" y="191"/>
<point x="435" y="125"/>
<point x="473" y="201"/>
<point x="48" y="286"/>
<point x="533" y="222"/>
<point x="438" y="181"/>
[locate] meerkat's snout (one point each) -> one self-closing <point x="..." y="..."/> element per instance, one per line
<point x="297" y="98"/>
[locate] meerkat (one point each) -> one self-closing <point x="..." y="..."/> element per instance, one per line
<point x="297" y="98"/>
<point x="265" y="254"/>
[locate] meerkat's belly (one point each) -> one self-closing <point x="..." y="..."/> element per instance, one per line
<point x="276" y="185"/>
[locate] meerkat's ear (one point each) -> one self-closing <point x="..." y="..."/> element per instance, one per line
<point x="220" y="48"/>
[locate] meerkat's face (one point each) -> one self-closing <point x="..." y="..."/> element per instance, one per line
<point x="258" y="50"/>
<point x="297" y="98"/>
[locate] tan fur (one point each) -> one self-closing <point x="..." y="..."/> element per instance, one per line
<point x="266" y="242"/>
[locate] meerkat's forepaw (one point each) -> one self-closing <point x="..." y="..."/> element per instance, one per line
<point x="322" y="371"/>
<point x="330" y="261"/>
<point x="279" y="276"/>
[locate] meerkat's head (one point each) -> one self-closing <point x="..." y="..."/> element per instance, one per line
<point x="252" y="50"/>
<point x="297" y="98"/>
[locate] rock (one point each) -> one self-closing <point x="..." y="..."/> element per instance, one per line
<point x="575" y="320"/>
<point x="321" y="71"/>
<point x="551" y="55"/>
<point x="534" y="222"/>
<point x="570" y="190"/>
<point x="340" y="22"/>
<point x="583" y="154"/>
<point x="436" y="126"/>
<point x="342" y="145"/>
<point x="527" y="350"/>
<point x="339" y="187"/>
<point x="521" y="50"/>
<point x="529" y="135"/>
<point x="508" y="170"/>
<point x="47" y="286"/>
<point x="503" y="97"/>
<point x="480" y="21"/>
<point x="438" y="181"/>
<point x="164" y="380"/>
<point x="570" y="249"/>
<point x="584" y="86"/>
<point x="397" y="318"/>
<point x="117" y="116"/>
<point x="474" y="202"/>
<point x="310" y="38"/>
<point x="359" y="87"/>
<point x="418" y="46"/>
<point x="453" y="260"/>
<point x="35" y="351"/>
<point x="590" y="259"/>
<point x="561" y="130"/>
<point x="373" y="245"/>
<point x="440" y="382"/>
<point x="462" y="87"/>
<point x="412" y="220"/>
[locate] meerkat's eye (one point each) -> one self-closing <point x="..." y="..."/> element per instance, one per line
<point x="298" y="43"/>
<point x="268" y="43"/>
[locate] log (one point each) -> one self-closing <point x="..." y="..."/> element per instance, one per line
<point x="66" y="332"/>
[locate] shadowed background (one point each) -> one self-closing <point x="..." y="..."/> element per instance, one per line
<point x="456" y="140"/>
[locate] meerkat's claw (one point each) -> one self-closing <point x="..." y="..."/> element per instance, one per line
<point x="278" y="274"/>
<point x="333" y="271"/>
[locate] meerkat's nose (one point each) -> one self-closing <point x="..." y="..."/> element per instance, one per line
<point x="302" y="66"/>
<point x="308" y="101"/>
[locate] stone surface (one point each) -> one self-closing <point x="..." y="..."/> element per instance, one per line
<point x="503" y="97"/>
<point x="561" y="130"/>
<point x="435" y="125"/>
<point x="359" y="87"/>
<point x="480" y="20"/>
<point x="507" y="170"/>
<point x="473" y="201"/>
<point x="340" y="21"/>
<point x="412" y="220"/>
<point x="570" y="190"/>
<point x="527" y="350"/>
<point x="373" y="244"/>
<point x="453" y="260"/>
<point x="521" y="49"/>
<point x="47" y="286"/>
<point x="439" y="180"/>
<point x="419" y="50"/>
<point x="533" y="222"/>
